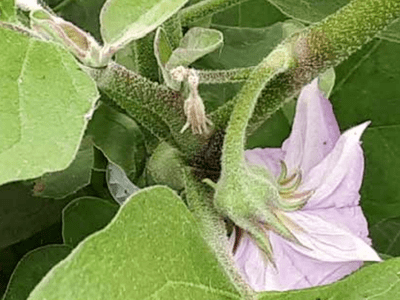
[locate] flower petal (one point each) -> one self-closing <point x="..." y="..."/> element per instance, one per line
<point x="315" y="130"/>
<point x="337" y="179"/>
<point x="269" y="158"/>
<point x="294" y="270"/>
<point x="328" y="242"/>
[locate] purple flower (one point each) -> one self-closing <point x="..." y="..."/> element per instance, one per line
<point x="331" y="227"/>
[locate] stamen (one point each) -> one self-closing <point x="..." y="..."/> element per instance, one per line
<point x="288" y="180"/>
<point x="283" y="173"/>
<point x="294" y="186"/>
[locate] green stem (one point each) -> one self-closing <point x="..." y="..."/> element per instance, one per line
<point x="156" y="107"/>
<point x="277" y="61"/>
<point x="224" y="76"/>
<point x="205" y="8"/>
<point x="316" y="49"/>
<point x="213" y="231"/>
<point x="60" y="6"/>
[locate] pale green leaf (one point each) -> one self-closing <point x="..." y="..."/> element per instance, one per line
<point x="84" y="216"/>
<point x="379" y="281"/>
<point x="63" y="183"/>
<point x="123" y="21"/>
<point x="152" y="249"/>
<point x="7" y="10"/>
<point x="196" y="43"/>
<point x="162" y="52"/>
<point x="32" y="268"/>
<point x="326" y="81"/>
<point x="44" y="98"/>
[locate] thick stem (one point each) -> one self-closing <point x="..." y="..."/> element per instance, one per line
<point x="318" y="48"/>
<point x="205" y="8"/>
<point x="213" y="231"/>
<point x="224" y="76"/>
<point x="234" y="144"/>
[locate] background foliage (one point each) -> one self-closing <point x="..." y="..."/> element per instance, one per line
<point x="65" y="207"/>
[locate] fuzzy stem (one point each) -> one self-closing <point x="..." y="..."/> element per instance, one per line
<point x="213" y="231"/>
<point x="156" y="107"/>
<point x="205" y="8"/>
<point x="224" y="76"/>
<point x="234" y="144"/>
<point x="324" y="45"/>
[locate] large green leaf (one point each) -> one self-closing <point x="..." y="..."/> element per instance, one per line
<point x="253" y="13"/>
<point x="386" y="237"/>
<point x="123" y="21"/>
<point x="32" y="268"/>
<point x="119" y="138"/>
<point x="311" y="11"/>
<point x="44" y="97"/>
<point x="22" y="215"/>
<point x="378" y="282"/>
<point x="7" y="10"/>
<point x="84" y="216"/>
<point x="63" y="183"/>
<point x="151" y="249"/>
<point x="367" y="89"/>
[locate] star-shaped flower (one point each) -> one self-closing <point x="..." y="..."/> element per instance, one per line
<point x="330" y="228"/>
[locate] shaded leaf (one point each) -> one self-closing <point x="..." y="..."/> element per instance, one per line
<point x="151" y="249"/>
<point x="32" y="268"/>
<point x="22" y="215"/>
<point x="63" y="183"/>
<point x="123" y="21"/>
<point x="253" y="14"/>
<point x="378" y="281"/>
<point x="44" y="98"/>
<point x="367" y="89"/>
<point x="119" y="138"/>
<point x="386" y="236"/>
<point x="84" y="216"/>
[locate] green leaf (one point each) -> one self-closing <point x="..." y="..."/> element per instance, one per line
<point x="239" y="42"/>
<point x="22" y="215"/>
<point x="385" y="235"/>
<point x="32" y="268"/>
<point x="196" y="43"/>
<point x="44" y="97"/>
<point x="151" y="249"/>
<point x="165" y="166"/>
<point x="367" y="89"/>
<point x="326" y="81"/>
<point x="7" y="10"/>
<point x="162" y="52"/>
<point x="123" y="21"/>
<point x="76" y="176"/>
<point x="378" y="281"/>
<point x="84" y="216"/>
<point x="253" y="14"/>
<point x="119" y="138"/>
<point x="83" y="13"/>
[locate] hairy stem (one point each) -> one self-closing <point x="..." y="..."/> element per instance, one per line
<point x="224" y="76"/>
<point x="324" y="45"/>
<point x="213" y="231"/>
<point x="276" y="62"/>
<point x="156" y="107"/>
<point x="205" y="8"/>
